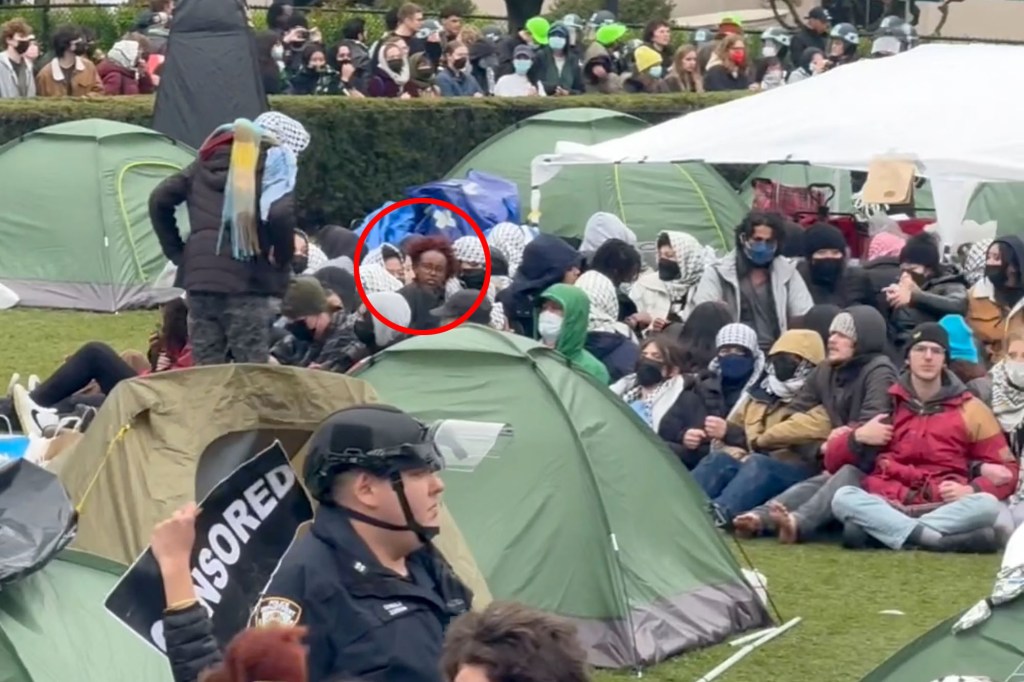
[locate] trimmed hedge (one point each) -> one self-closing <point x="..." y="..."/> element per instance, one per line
<point x="367" y="151"/>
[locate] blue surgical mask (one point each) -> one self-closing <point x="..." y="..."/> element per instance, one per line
<point x="522" y="66"/>
<point x="736" y="368"/>
<point x="656" y="71"/>
<point x="556" y="42"/>
<point x="759" y="253"/>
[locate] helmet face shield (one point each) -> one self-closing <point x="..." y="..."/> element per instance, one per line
<point x="463" y="445"/>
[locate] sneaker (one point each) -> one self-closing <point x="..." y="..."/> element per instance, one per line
<point x="33" y="418"/>
<point x="33" y="382"/>
<point x="15" y="379"/>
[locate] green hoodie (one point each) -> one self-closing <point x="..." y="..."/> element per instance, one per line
<point x="576" y="311"/>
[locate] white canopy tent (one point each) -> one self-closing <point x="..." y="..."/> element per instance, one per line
<point x="948" y="108"/>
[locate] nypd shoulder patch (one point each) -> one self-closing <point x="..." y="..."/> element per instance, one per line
<point x="277" y="611"/>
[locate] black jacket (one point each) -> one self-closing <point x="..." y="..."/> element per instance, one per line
<point x="616" y="352"/>
<point x="853" y="287"/>
<point x="944" y="294"/>
<point x="804" y="39"/>
<point x="191" y="646"/>
<point x="365" y="622"/>
<point x="200" y="267"/>
<point x="546" y="259"/>
<point x="570" y="78"/>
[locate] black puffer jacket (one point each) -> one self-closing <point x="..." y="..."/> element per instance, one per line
<point x="191" y="646"/>
<point x="200" y="267"/>
<point x="944" y="294"/>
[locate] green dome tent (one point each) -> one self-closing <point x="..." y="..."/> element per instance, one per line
<point x="690" y="197"/>
<point x="1001" y="201"/>
<point x="75" y="220"/>
<point x="53" y="627"/>
<point x="557" y="520"/>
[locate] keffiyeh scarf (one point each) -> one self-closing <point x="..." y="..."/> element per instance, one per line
<point x="376" y="279"/>
<point x="512" y="240"/>
<point x="692" y="258"/>
<point x="604" y="303"/>
<point x="738" y="334"/>
<point x="974" y="261"/>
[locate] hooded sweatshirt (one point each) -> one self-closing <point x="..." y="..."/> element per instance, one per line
<point x="576" y="311"/>
<point x="545" y="261"/>
<point x="600" y="228"/>
<point x="854" y="392"/>
<point x="935" y="440"/>
<point x="760" y="423"/>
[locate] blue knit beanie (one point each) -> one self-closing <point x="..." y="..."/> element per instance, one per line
<point x="961" y="339"/>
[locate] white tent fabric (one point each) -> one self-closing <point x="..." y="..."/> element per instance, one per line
<point x="948" y="108"/>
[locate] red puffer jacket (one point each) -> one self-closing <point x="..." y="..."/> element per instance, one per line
<point x="933" y="441"/>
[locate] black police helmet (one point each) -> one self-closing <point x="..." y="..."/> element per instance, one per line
<point x="379" y="439"/>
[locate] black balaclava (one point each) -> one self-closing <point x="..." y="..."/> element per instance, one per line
<point x="825" y="272"/>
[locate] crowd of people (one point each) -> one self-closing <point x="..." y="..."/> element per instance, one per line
<point x="448" y="57"/>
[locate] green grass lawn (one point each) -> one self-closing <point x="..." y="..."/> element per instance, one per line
<point x="838" y="593"/>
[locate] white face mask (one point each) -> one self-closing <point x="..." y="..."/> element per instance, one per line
<point x="549" y="326"/>
<point x="1015" y="372"/>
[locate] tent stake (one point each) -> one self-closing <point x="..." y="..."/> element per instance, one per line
<point x="735" y="658"/>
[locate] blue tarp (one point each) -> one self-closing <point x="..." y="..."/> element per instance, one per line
<point x="487" y="199"/>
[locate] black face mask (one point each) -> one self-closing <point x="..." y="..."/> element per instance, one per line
<point x="21" y="47"/>
<point x="827" y="271"/>
<point x="785" y="367"/>
<point x="648" y="372"/>
<point x="299" y="264"/>
<point x="459" y="64"/>
<point x="363" y="329"/>
<point x="396" y="65"/>
<point x="997" y="275"/>
<point x="473" y="279"/>
<point x="668" y="270"/>
<point x="919" y="277"/>
<point x="300" y="331"/>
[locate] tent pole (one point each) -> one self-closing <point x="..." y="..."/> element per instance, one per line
<point x="717" y="671"/>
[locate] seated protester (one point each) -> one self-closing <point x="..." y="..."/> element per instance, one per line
<point x="927" y="290"/>
<point x="828" y="276"/>
<point x="373" y="471"/>
<point x="374" y="334"/>
<point x="698" y="335"/>
<point x="43" y="405"/>
<point x="936" y="431"/>
<point x="602" y="227"/>
<point x="648" y="72"/>
<point x="663" y="297"/>
<point x="558" y="68"/>
<point x="852" y="386"/>
<point x="994" y="304"/>
<point x="375" y="279"/>
<point x="390" y="257"/>
<point x="422" y="81"/>
<point x="433" y="264"/>
<point x="328" y="338"/>
<point x="727" y="68"/>
<point x="316" y="77"/>
<point x="562" y="325"/>
<point x="460" y="303"/>
<point x="308" y="256"/>
<point x="509" y="642"/>
<point x="454" y="79"/>
<point x="335" y="241"/>
<point x="738" y="364"/>
<point x="882" y="266"/>
<point x="1008" y="392"/>
<point x="610" y="341"/>
<point x="974" y="258"/>
<point x="764" y="291"/>
<point x="519" y="83"/>
<point x="755" y="455"/>
<point x="620" y="264"/>
<point x="965" y="358"/>
<point x="660" y="394"/>
<point x="392" y="73"/>
<point x="546" y="260"/>
<point x="472" y="271"/>
<point x="819" y="320"/>
<point x="340" y="287"/>
<point x="511" y="240"/>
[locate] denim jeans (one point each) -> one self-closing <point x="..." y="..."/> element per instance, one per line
<point x="892" y="527"/>
<point x="737" y="487"/>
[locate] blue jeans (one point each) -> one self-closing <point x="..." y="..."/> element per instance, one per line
<point x="737" y="487"/>
<point x="892" y="528"/>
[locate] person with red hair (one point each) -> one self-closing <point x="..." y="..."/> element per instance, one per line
<point x="433" y="264"/>
<point x="274" y="654"/>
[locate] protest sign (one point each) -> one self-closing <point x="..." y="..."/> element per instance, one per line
<point x="244" y="527"/>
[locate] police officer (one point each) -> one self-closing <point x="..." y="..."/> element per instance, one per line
<point x="366" y="580"/>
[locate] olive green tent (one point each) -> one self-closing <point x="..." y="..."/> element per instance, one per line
<point x="585" y="513"/>
<point x="993" y="650"/>
<point x="1000" y="201"/>
<point x="75" y="214"/>
<point x="53" y="627"/>
<point x="690" y="197"/>
<point x="163" y="440"/>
